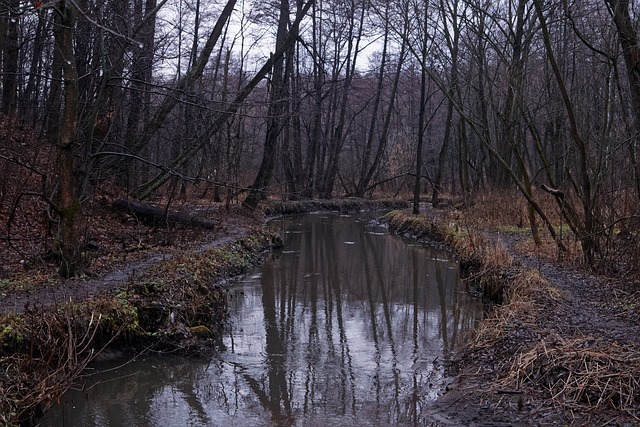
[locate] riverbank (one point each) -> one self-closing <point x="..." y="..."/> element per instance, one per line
<point x="560" y="347"/>
<point x="176" y="306"/>
<point x="170" y="301"/>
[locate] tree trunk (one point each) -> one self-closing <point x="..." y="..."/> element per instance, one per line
<point x="68" y="203"/>
<point x="417" y="188"/>
<point x="316" y="126"/>
<point x="35" y="75"/>
<point x="277" y="106"/>
<point x="628" y="37"/>
<point x="386" y="126"/>
<point x="337" y="134"/>
<point x="377" y="95"/>
<point x="586" y="230"/>
<point x="291" y="136"/>
<point x="10" y="60"/>
<point x="452" y="43"/>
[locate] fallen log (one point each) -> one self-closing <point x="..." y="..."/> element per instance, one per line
<point x="153" y="215"/>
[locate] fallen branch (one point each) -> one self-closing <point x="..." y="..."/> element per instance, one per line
<point x="153" y="215"/>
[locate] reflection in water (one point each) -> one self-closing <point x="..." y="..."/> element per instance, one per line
<point x="346" y="326"/>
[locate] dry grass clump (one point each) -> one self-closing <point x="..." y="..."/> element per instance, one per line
<point x="508" y="208"/>
<point x="581" y="374"/>
<point x="498" y="208"/>
<point x="524" y="294"/>
<point x="549" y="250"/>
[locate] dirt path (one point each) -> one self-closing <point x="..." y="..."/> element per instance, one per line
<point x="78" y="289"/>
<point x="591" y="305"/>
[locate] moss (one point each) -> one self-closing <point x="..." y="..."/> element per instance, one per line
<point x="201" y="331"/>
<point x="12" y="333"/>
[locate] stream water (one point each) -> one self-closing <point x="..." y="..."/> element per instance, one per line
<point x="346" y="326"/>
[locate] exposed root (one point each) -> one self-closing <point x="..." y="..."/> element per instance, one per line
<point x="57" y="344"/>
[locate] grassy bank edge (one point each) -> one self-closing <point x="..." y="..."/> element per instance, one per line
<point x="515" y="292"/>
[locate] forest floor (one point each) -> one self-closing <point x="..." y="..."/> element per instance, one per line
<point x="117" y="247"/>
<point x="562" y="350"/>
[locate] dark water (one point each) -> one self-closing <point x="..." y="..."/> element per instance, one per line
<point x="347" y="325"/>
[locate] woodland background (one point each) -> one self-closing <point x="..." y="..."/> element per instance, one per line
<point x="238" y="101"/>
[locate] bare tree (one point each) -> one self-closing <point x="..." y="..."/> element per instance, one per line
<point x="355" y="24"/>
<point x="68" y="205"/>
<point x="221" y="118"/>
<point x="628" y="37"/>
<point x="278" y="104"/>
<point x="9" y="34"/>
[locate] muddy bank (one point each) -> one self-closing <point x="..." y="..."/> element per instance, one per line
<point x="176" y="306"/>
<point x="559" y="348"/>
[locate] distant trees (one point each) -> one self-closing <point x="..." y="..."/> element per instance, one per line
<point x="322" y="98"/>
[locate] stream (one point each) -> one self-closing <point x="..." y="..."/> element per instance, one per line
<point x="347" y="325"/>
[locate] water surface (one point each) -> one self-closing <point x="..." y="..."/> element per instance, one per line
<point x="346" y="326"/>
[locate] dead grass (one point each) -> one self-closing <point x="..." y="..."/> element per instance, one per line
<point x="548" y="250"/>
<point x="580" y="374"/>
<point x="524" y="298"/>
<point x="489" y="210"/>
<point x="505" y="211"/>
<point x="617" y="236"/>
<point x="42" y="353"/>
